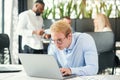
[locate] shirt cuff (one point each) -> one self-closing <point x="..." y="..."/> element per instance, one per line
<point x="77" y="71"/>
<point x="43" y="36"/>
<point x="73" y="70"/>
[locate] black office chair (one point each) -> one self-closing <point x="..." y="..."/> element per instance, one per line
<point x="20" y="44"/>
<point x="4" y="49"/>
<point x="105" y="44"/>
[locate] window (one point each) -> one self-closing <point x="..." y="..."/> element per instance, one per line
<point x="0" y="16"/>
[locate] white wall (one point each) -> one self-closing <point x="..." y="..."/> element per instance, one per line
<point x="30" y="3"/>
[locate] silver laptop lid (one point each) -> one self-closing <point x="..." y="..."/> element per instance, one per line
<point x="40" y="65"/>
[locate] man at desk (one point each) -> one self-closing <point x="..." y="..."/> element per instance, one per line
<point x="75" y="52"/>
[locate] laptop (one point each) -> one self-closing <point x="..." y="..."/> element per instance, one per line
<point x="41" y="65"/>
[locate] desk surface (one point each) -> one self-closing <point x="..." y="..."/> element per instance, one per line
<point x="23" y="76"/>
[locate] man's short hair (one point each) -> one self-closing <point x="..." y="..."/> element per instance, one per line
<point x="40" y="1"/>
<point x="61" y="26"/>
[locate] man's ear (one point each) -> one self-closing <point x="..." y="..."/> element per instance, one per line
<point x="36" y="5"/>
<point x="70" y="35"/>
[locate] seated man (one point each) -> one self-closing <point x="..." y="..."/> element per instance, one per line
<point x="75" y="53"/>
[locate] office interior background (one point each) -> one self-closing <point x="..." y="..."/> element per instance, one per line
<point x="10" y="9"/>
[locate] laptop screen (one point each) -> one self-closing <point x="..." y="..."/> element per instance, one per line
<point x="40" y="65"/>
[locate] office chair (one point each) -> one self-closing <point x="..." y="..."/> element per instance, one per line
<point x="20" y="44"/>
<point x="4" y="49"/>
<point x="105" y="44"/>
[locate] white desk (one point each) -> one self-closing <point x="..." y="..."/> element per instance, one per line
<point x="23" y="76"/>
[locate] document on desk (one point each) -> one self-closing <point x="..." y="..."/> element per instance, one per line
<point x="100" y="77"/>
<point x="112" y="77"/>
<point x="95" y="77"/>
<point x="9" y="68"/>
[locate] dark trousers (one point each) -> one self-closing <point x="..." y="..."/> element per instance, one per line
<point x="30" y="50"/>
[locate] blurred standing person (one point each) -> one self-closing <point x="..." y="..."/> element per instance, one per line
<point x="69" y="21"/>
<point x="30" y="28"/>
<point x="101" y="23"/>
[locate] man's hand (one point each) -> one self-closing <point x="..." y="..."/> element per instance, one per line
<point x="47" y="36"/>
<point x="38" y="32"/>
<point x="65" y="71"/>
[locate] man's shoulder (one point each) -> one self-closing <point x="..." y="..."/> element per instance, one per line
<point x="82" y="35"/>
<point x="24" y="12"/>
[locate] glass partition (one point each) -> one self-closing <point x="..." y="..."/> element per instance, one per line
<point x="0" y="16"/>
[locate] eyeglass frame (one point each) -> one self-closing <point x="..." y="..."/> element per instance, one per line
<point x="59" y="41"/>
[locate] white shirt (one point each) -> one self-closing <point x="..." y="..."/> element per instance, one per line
<point x="28" y="21"/>
<point x="106" y="29"/>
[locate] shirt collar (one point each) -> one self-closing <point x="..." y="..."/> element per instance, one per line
<point x="68" y="50"/>
<point x="32" y="12"/>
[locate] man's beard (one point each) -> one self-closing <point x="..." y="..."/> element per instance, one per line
<point x="38" y="13"/>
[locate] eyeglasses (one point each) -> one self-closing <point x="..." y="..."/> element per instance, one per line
<point x="58" y="41"/>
